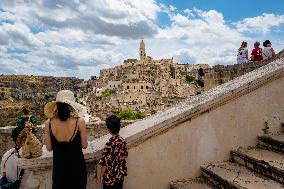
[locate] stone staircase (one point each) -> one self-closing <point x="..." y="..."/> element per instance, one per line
<point x="260" y="167"/>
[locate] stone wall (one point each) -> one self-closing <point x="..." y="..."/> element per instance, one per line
<point x="95" y="130"/>
<point x="171" y="145"/>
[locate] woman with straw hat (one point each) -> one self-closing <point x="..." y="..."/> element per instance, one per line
<point x="66" y="135"/>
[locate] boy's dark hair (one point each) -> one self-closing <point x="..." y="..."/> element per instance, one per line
<point x="15" y="133"/>
<point x="63" y="111"/>
<point x="256" y="43"/>
<point x="113" y="124"/>
<point x="266" y="42"/>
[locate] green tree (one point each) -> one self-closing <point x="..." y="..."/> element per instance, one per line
<point x="107" y="92"/>
<point x="79" y="101"/>
<point x="190" y="79"/>
<point x="128" y="114"/>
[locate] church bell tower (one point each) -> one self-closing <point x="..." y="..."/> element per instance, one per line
<point x="142" y="50"/>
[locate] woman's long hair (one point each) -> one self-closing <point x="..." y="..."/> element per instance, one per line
<point x="63" y="111"/>
<point x="243" y="45"/>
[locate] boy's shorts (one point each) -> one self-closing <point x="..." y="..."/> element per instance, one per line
<point x="116" y="186"/>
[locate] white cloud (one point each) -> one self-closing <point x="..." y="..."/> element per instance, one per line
<point x="189" y="12"/>
<point x="260" y="24"/>
<point x="125" y="18"/>
<point x="180" y="20"/>
<point x="80" y="37"/>
<point x="168" y="9"/>
<point x="212" y="16"/>
<point x="204" y="38"/>
<point x="18" y="33"/>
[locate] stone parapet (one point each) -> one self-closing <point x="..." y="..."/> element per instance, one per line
<point x="95" y="130"/>
<point x="173" y="143"/>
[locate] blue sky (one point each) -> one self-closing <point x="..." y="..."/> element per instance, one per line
<point x="232" y="10"/>
<point x="79" y="37"/>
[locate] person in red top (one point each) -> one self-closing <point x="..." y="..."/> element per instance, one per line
<point x="256" y="54"/>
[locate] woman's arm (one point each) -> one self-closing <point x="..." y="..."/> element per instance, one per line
<point x="83" y="133"/>
<point x="103" y="169"/>
<point x="273" y="52"/>
<point x="47" y="136"/>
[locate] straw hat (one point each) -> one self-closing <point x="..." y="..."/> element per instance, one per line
<point x="65" y="96"/>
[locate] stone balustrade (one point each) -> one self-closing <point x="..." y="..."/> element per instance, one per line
<point x="95" y="130"/>
<point x="171" y="145"/>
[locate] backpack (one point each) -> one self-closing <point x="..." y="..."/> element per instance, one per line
<point x="31" y="146"/>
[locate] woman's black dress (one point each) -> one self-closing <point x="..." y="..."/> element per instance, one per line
<point x="69" y="168"/>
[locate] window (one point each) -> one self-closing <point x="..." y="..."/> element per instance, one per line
<point x="114" y="86"/>
<point x="109" y="85"/>
<point x="147" y="87"/>
<point x="141" y="87"/>
<point x="127" y="87"/>
<point x="134" y="87"/>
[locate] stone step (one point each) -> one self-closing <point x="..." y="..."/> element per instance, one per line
<point x="227" y="175"/>
<point x="274" y="142"/>
<point x="198" y="183"/>
<point x="263" y="161"/>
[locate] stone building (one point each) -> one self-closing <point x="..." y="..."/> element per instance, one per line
<point x="143" y="84"/>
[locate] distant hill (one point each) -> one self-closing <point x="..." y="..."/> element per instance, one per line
<point x="17" y="91"/>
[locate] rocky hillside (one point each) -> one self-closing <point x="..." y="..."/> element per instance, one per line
<point x="34" y="92"/>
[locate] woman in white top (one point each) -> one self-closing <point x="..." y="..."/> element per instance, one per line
<point x="9" y="162"/>
<point x="242" y="56"/>
<point x="268" y="51"/>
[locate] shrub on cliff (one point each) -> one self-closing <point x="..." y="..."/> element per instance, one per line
<point x="128" y="114"/>
<point x="190" y="79"/>
<point x="107" y="92"/>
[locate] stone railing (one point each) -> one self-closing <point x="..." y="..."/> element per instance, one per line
<point x="95" y="130"/>
<point x="171" y="145"/>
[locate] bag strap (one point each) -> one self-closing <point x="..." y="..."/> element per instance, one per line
<point x="4" y="166"/>
<point x="22" y="171"/>
<point x="264" y="54"/>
